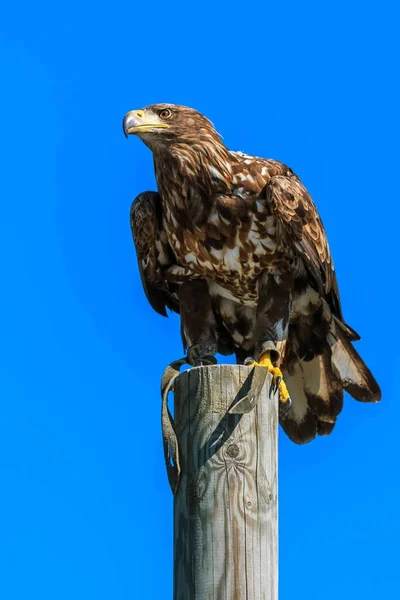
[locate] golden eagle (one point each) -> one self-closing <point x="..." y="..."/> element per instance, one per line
<point x="234" y="243"/>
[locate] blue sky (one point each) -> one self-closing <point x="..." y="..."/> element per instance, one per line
<point x="85" y="508"/>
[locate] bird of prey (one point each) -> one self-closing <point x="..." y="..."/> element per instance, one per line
<point x="235" y="244"/>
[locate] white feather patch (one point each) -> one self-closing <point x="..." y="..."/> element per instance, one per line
<point x="306" y="303"/>
<point x="215" y="173"/>
<point x="191" y="258"/>
<point x="350" y="369"/>
<point x="231" y="259"/>
<point x="315" y="377"/>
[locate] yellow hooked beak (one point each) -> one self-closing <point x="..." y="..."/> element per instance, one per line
<point x="137" y="121"/>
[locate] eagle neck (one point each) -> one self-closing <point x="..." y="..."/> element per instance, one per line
<point x="190" y="175"/>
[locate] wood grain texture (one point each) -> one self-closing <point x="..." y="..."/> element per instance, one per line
<point x="225" y="509"/>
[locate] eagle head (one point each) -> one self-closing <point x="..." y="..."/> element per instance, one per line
<point x="160" y="124"/>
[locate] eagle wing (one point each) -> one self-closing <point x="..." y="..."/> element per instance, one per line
<point x="297" y="215"/>
<point x="153" y="252"/>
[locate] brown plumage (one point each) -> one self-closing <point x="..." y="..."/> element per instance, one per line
<point x="235" y="244"/>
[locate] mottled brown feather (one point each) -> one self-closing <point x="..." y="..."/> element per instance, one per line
<point x="145" y="220"/>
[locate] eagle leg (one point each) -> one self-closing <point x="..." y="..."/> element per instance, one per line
<point x="285" y="402"/>
<point x="198" y="326"/>
<point x="273" y="315"/>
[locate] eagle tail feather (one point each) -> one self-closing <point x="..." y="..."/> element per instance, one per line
<point x="300" y="422"/>
<point x="317" y="397"/>
<point x="351" y="333"/>
<point x="354" y="374"/>
<point x="317" y="386"/>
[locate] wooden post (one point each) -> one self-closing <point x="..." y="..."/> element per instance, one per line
<point x="225" y="509"/>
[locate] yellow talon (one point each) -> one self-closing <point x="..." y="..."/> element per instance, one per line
<point x="265" y="361"/>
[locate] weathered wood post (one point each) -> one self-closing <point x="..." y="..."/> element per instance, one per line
<point x="225" y="508"/>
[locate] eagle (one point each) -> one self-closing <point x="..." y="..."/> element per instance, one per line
<point x="235" y="245"/>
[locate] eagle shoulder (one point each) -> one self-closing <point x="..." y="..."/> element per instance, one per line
<point x="289" y="200"/>
<point x="274" y="185"/>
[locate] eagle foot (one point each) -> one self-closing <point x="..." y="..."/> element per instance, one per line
<point x="285" y="401"/>
<point x="197" y="360"/>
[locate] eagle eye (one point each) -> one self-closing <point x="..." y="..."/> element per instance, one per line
<point x="165" y="113"/>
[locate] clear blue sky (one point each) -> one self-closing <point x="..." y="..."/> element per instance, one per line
<point x="85" y="508"/>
